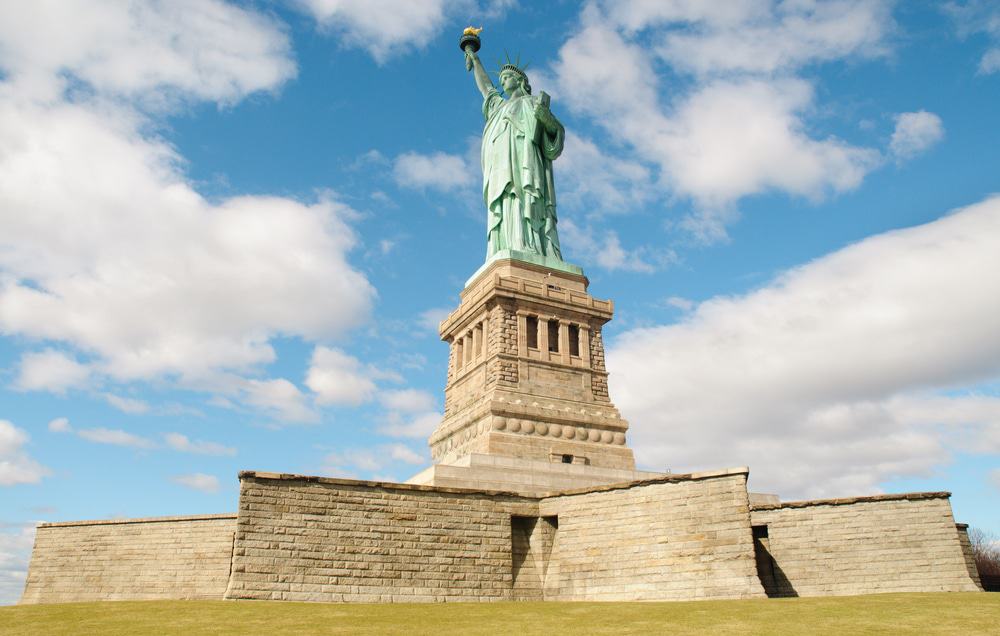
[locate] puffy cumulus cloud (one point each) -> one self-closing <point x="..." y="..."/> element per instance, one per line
<point x="16" y="467"/>
<point x="115" y="437"/>
<point x="175" y="286"/>
<point x="198" y="481"/>
<point x="384" y="28"/>
<point x="436" y="171"/>
<point x="915" y="133"/>
<point x="759" y="37"/>
<point x="206" y="49"/>
<point x="16" y="541"/>
<point x="832" y="378"/>
<point x="604" y="249"/>
<point x="51" y="370"/>
<point x="979" y="16"/>
<point x="388" y="28"/>
<point x="715" y="132"/>
<point x="181" y="443"/>
<point x="412" y="425"/>
<point x="430" y="319"/>
<point x="591" y="179"/>
<point x="338" y="378"/>
<point x="739" y="123"/>
<point x="126" y="405"/>
<point x="108" y="249"/>
<point x="370" y="463"/>
<point x="407" y="400"/>
<point x="279" y="398"/>
<point x="60" y="425"/>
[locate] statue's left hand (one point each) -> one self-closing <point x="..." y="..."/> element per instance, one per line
<point x="543" y="114"/>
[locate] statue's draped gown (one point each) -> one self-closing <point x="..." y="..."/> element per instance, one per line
<point x="518" y="188"/>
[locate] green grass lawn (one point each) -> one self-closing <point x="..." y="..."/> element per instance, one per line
<point x="875" y="614"/>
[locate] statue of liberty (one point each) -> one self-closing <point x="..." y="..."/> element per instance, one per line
<point x="521" y="139"/>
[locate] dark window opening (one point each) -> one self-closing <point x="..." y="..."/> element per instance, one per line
<point x="554" y="336"/>
<point x="567" y="459"/>
<point x="531" y="326"/>
<point x="759" y="532"/>
<point x="574" y="340"/>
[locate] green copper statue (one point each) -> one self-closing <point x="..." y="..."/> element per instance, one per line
<point x="521" y="139"/>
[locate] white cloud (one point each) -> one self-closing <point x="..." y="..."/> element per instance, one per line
<point x="126" y="405"/>
<point x="60" y="425"/>
<point x="352" y="463"/>
<point x="407" y="400"/>
<point x="280" y="398"/>
<point x="738" y="125"/>
<point x="388" y="28"/>
<point x="679" y="302"/>
<point x="915" y="133"/>
<point x="117" y="257"/>
<point x="979" y="16"/>
<point x="760" y="37"/>
<point x="604" y="249"/>
<point x="207" y="49"/>
<point x="16" y="467"/>
<point x="385" y="29"/>
<point x="729" y="139"/>
<point x="181" y="443"/>
<point x="16" y="541"/>
<point x="592" y="179"/>
<point x="431" y="318"/>
<point x="115" y="437"/>
<point x="826" y="380"/>
<point x="437" y="171"/>
<point x="198" y="481"/>
<point x="418" y="426"/>
<point x="51" y="370"/>
<point x="337" y="378"/>
<point x="404" y="454"/>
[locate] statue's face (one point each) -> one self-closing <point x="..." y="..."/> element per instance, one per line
<point x="510" y="82"/>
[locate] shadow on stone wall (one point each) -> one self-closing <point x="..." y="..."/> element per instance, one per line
<point x="772" y="577"/>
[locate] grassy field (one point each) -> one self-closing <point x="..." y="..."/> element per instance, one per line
<point x="876" y="614"/>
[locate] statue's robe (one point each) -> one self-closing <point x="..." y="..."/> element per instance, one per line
<point x="518" y="188"/>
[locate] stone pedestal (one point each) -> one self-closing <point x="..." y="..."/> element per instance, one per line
<point x="526" y="374"/>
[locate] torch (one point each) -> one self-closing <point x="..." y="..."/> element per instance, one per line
<point x="470" y="44"/>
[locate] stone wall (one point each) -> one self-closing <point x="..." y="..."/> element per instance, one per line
<point x="681" y="537"/>
<point x="970" y="558"/>
<point x="321" y="539"/>
<point x="132" y="559"/>
<point x="864" y="545"/>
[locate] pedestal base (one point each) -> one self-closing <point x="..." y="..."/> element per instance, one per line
<point x="524" y="476"/>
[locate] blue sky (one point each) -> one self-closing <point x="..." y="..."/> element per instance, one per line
<point x="227" y="232"/>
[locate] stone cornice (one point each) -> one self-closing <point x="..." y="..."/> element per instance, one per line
<point x="846" y="501"/>
<point x="355" y="483"/>
<point x="111" y="522"/>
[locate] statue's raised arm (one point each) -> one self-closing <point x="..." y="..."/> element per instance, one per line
<point x="470" y="44"/>
<point x="521" y="139"/>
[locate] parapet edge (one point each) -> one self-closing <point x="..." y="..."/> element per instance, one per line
<point x="665" y="479"/>
<point x="111" y="522"/>
<point x="845" y="501"/>
<point x="338" y="481"/>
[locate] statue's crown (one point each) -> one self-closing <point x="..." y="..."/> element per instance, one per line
<point x="513" y="69"/>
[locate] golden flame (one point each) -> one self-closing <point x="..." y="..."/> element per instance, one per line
<point x="472" y="31"/>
